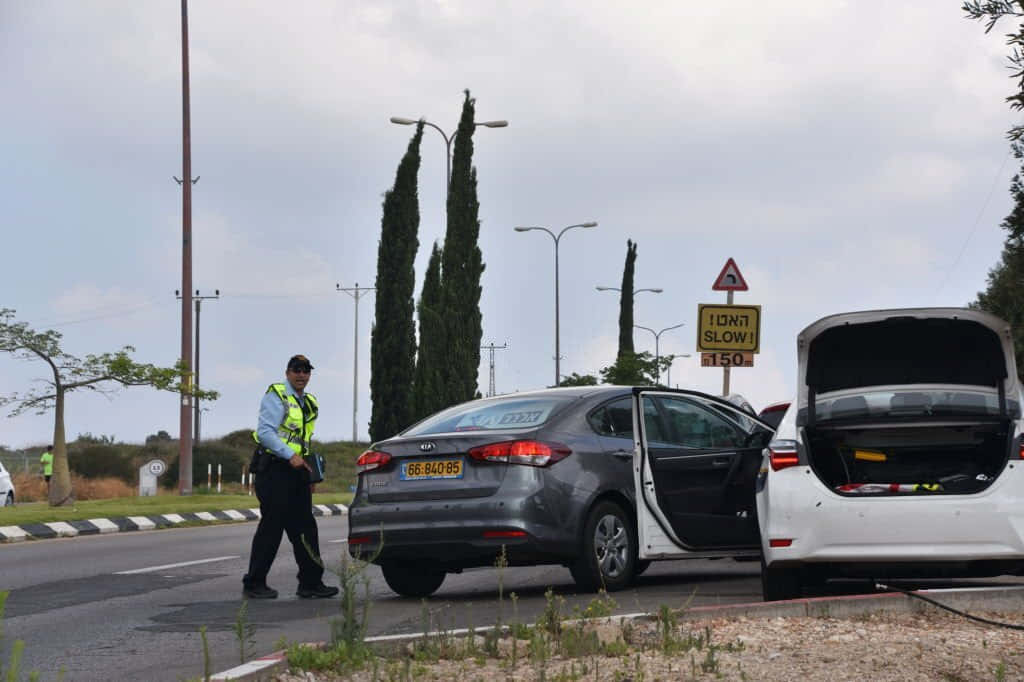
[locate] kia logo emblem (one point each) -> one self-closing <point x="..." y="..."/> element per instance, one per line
<point x="427" y="447"/>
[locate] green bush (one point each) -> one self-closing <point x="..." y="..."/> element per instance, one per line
<point x="95" y="460"/>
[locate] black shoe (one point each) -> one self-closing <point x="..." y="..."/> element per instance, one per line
<point x="259" y="592"/>
<point x="320" y="591"/>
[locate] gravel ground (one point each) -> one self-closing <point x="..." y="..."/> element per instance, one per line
<point x="932" y="645"/>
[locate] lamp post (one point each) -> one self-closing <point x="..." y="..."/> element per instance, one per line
<point x="657" y="336"/>
<point x="556" y="239"/>
<point x="356" y="293"/>
<point x="399" y="120"/>
<point x="635" y="291"/>
<point x="668" y="380"/>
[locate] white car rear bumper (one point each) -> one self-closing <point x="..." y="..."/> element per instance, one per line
<point x="826" y="527"/>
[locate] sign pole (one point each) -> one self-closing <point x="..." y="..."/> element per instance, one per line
<point x="725" y="370"/>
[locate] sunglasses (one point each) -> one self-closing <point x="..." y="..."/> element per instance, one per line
<point x="301" y="370"/>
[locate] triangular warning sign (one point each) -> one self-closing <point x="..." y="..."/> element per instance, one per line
<point x="730" y="279"/>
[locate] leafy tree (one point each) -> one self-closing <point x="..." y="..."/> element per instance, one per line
<point x="461" y="268"/>
<point x="70" y="373"/>
<point x="428" y="392"/>
<point x="393" y="338"/>
<point x="626" y="302"/>
<point x="575" y="379"/>
<point x="991" y="11"/>
<point x="1003" y="297"/>
<point x="635" y="369"/>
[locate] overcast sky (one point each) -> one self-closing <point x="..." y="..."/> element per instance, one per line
<point x="848" y="156"/>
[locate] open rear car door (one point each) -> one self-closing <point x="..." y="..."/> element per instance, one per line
<point x="695" y="465"/>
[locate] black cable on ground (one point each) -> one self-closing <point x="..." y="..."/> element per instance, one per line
<point x="910" y="593"/>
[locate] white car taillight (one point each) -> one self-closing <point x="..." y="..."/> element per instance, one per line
<point x="783" y="454"/>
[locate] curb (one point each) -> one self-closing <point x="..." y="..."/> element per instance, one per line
<point x="70" y="529"/>
<point x="995" y="598"/>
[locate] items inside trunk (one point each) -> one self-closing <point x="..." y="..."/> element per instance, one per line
<point x="925" y="460"/>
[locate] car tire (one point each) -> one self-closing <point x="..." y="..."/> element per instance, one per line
<point x="9" y="500"/>
<point x="779" y="583"/>
<point x="411" y="581"/>
<point x="641" y="566"/>
<point x="609" y="549"/>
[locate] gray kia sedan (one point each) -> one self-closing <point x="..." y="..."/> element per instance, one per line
<point x="547" y="474"/>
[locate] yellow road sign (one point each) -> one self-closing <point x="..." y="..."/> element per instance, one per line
<point x="728" y="328"/>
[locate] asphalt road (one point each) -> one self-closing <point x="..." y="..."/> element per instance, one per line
<point x="130" y="605"/>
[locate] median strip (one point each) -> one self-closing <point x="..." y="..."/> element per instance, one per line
<point x="68" y="529"/>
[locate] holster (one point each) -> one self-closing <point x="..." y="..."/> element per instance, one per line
<point x="260" y="461"/>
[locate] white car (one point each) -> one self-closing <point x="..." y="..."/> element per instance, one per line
<point x="6" y="487"/>
<point x="900" y="457"/>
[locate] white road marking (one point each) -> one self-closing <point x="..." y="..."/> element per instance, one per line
<point x="178" y="565"/>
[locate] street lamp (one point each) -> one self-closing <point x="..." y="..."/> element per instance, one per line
<point x="398" y="120"/>
<point x="591" y="223"/>
<point x="668" y="380"/>
<point x="635" y="291"/>
<point x="657" y="335"/>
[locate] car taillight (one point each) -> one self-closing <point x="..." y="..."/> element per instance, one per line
<point x="370" y="460"/>
<point x="532" y="452"/>
<point x="783" y="454"/>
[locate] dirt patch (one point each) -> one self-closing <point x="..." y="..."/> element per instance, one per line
<point x="880" y="647"/>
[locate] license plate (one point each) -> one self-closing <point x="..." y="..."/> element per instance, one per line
<point x="435" y="468"/>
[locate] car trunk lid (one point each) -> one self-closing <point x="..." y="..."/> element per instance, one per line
<point x="954" y="347"/>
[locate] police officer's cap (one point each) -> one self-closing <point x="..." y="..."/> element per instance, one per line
<point x="299" y="362"/>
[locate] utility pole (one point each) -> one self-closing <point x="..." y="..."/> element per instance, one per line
<point x="491" y="347"/>
<point x="195" y="368"/>
<point x="356" y="293"/>
<point x="185" y="423"/>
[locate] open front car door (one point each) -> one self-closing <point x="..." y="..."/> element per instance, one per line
<point x="695" y="466"/>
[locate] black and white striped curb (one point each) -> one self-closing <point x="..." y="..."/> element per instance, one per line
<point x="67" y="529"/>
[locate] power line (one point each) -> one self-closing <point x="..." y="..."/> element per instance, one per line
<point x="977" y="221"/>
<point x="492" y="347"/>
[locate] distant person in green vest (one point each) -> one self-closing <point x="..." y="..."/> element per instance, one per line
<point x="46" y="461"/>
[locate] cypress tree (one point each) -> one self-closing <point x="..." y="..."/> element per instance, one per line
<point x="428" y="394"/>
<point x="393" y="339"/>
<point x="461" y="268"/>
<point x="626" y="303"/>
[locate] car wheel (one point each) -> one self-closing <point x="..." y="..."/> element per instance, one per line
<point x="642" y="566"/>
<point x="9" y="500"/>
<point x="609" y="550"/>
<point x="410" y="581"/>
<point x="779" y="583"/>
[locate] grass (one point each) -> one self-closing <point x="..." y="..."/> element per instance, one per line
<point x="41" y="512"/>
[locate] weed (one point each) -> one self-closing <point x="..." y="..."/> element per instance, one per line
<point x="206" y="653"/>
<point x="551" y="618"/>
<point x="1000" y="672"/>
<point x="350" y="626"/>
<point x="245" y="632"/>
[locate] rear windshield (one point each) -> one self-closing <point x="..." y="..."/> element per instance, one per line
<point x="912" y="404"/>
<point x="491" y="415"/>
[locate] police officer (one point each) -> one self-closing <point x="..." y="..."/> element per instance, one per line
<point x="287" y="417"/>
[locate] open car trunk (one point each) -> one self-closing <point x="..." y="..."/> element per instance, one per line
<point x="931" y="459"/>
<point x="908" y="402"/>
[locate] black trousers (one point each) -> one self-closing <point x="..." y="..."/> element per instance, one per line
<point x="286" y="506"/>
